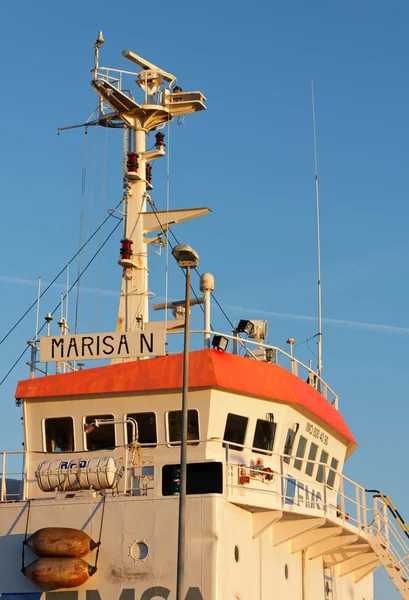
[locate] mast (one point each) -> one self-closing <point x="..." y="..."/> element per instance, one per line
<point x="133" y="305"/>
<point x="317" y="210"/>
<point x="162" y="101"/>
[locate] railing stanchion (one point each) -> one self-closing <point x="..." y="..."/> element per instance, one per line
<point x="358" y="506"/>
<point x="282" y="481"/>
<point x="385" y="520"/>
<point x="126" y="471"/>
<point x="342" y="498"/>
<point x="24" y="474"/>
<point x="3" y="477"/>
<point x="226" y="452"/>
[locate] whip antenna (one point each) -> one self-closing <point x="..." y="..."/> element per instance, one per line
<point x="317" y="210"/>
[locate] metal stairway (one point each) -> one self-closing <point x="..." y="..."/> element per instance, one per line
<point x="389" y="538"/>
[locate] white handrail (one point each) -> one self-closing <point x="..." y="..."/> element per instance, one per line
<point x="276" y="351"/>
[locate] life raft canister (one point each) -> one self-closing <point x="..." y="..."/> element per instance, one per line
<point x="98" y="473"/>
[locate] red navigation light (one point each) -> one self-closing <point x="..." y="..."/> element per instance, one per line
<point x="159" y="140"/>
<point x="132" y="164"/>
<point x="148" y="172"/>
<point x="126" y="249"/>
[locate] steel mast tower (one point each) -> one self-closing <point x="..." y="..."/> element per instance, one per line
<point x="162" y="101"/>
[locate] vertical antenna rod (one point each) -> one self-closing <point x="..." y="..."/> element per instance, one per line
<point x="38" y="306"/>
<point x="317" y="208"/>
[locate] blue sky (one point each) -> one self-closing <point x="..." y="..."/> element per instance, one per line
<point x="250" y="159"/>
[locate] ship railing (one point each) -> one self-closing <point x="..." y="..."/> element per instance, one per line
<point x="327" y="491"/>
<point x="253" y="349"/>
<point x="113" y="76"/>
<point x="274" y="355"/>
<point x="393" y="533"/>
<point x="350" y="495"/>
<point x="13" y="475"/>
<point x="116" y="78"/>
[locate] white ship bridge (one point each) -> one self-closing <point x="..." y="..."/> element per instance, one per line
<point x="265" y="483"/>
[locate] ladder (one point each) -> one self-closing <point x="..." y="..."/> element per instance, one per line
<point x="389" y="537"/>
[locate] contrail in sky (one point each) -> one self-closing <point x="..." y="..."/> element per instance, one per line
<point x="344" y="322"/>
<point x="241" y="309"/>
<point x="61" y="286"/>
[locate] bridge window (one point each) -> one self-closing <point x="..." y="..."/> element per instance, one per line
<point x="175" y="425"/>
<point x="99" y="438"/>
<point x="312" y="455"/>
<point x="59" y="434"/>
<point x="202" y="478"/>
<point x="289" y="443"/>
<point x="332" y="472"/>
<point x="302" y="444"/>
<point x="320" y="472"/>
<point x="264" y="436"/>
<point x="146" y="428"/>
<point x="235" y="430"/>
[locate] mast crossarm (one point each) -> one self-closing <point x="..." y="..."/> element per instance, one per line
<point x="161" y="219"/>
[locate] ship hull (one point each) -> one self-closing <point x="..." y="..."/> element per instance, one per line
<point x="227" y="557"/>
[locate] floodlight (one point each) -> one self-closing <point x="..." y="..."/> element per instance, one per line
<point x="219" y="342"/>
<point x="246" y="327"/>
<point x="260" y="329"/>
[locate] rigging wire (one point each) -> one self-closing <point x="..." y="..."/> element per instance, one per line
<point x="309" y="347"/>
<point x="103" y="193"/>
<point x="63" y="296"/>
<point x="91" y="195"/>
<point x="83" y="188"/>
<point x="311" y="350"/>
<point x="307" y="340"/>
<point x="59" y="274"/>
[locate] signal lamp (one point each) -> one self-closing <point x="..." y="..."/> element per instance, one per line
<point x="269" y="355"/>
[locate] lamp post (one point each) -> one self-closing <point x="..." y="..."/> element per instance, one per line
<point x="186" y="258"/>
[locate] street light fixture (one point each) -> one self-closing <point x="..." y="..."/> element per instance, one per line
<point x="186" y="258"/>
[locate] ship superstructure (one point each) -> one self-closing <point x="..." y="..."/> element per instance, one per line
<point x="269" y="512"/>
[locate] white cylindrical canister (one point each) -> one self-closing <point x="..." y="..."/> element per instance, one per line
<point x="98" y="473"/>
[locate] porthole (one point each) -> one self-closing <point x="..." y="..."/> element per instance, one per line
<point x="139" y="550"/>
<point x="286" y="571"/>
<point x="236" y="553"/>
